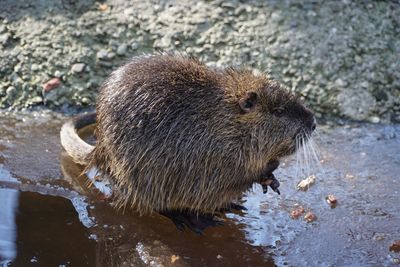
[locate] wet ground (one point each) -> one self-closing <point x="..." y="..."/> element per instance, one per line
<point x="48" y="216"/>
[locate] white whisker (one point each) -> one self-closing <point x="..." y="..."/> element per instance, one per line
<point x="307" y="157"/>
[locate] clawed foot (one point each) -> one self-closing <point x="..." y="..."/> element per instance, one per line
<point x="196" y="223"/>
<point x="272" y="182"/>
<point x="269" y="179"/>
<point x="233" y="207"/>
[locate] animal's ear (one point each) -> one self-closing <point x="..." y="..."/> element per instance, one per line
<point x="248" y="102"/>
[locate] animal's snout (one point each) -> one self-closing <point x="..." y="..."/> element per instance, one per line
<point x="313" y="124"/>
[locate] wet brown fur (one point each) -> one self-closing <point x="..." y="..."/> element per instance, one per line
<point x="171" y="134"/>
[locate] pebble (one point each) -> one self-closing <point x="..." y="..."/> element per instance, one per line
<point x="134" y="46"/>
<point x="36" y="100"/>
<point x="4" y="38"/>
<point x="78" y="67"/>
<point x="58" y="74"/>
<point x="111" y="55"/>
<point x="340" y="83"/>
<point x="121" y="50"/>
<point x="11" y="91"/>
<point x="374" y="119"/>
<point x="102" y="54"/>
<point x="35" y="67"/>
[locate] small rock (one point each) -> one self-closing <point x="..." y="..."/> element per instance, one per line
<point x="78" y="67"/>
<point x="165" y="41"/>
<point x="219" y="257"/>
<point x="306" y="77"/>
<point x="134" y="46"/>
<point x="374" y="119"/>
<point x="11" y="91"/>
<point x="85" y="100"/>
<point x="4" y="38"/>
<point x="17" y="68"/>
<point x="358" y="59"/>
<point x="364" y="84"/>
<point x="58" y="74"/>
<point x="271" y="39"/>
<point x="111" y="55"/>
<point x="340" y="83"/>
<point x="102" y="54"/>
<point x="36" y="100"/>
<point x="35" y="67"/>
<point x="121" y="50"/>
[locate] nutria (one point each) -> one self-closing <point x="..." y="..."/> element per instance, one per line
<point x="175" y="135"/>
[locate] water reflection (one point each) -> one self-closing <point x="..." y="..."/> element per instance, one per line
<point x="8" y="231"/>
<point x="46" y="230"/>
<point x="49" y="233"/>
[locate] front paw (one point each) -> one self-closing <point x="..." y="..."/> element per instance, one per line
<point x="272" y="182"/>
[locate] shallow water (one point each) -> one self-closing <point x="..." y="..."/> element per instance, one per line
<point x="50" y="218"/>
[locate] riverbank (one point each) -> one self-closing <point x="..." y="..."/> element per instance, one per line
<point x="342" y="57"/>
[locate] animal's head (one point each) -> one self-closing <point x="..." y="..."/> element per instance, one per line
<point x="276" y="120"/>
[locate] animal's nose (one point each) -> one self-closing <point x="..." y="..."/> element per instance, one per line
<point x="314" y="124"/>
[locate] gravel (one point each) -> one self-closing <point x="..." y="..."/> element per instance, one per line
<point x="341" y="57"/>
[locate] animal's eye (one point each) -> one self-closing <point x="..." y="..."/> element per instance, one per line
<point x="279" y="111"/>
<point x="248" y="102"/>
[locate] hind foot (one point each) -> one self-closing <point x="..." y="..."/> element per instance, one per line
<point x="233" y="207"/>
<point x="196" y="223"/>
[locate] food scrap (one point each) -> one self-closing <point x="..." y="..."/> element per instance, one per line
<point x="102" y="7"/>
<point x="395" y="247"/>
<point x="297" y="212"/>
<point x="174" y="258"/>
<point x="305" y="184"/>
<point x="310" y="217"/>
<point x="51" y="84"/>
<point x="332" y="200"/>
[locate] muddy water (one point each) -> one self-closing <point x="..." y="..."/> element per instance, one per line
<point x="48" y="216"/>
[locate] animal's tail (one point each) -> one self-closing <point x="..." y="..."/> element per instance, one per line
<point x="75" y="146"/>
